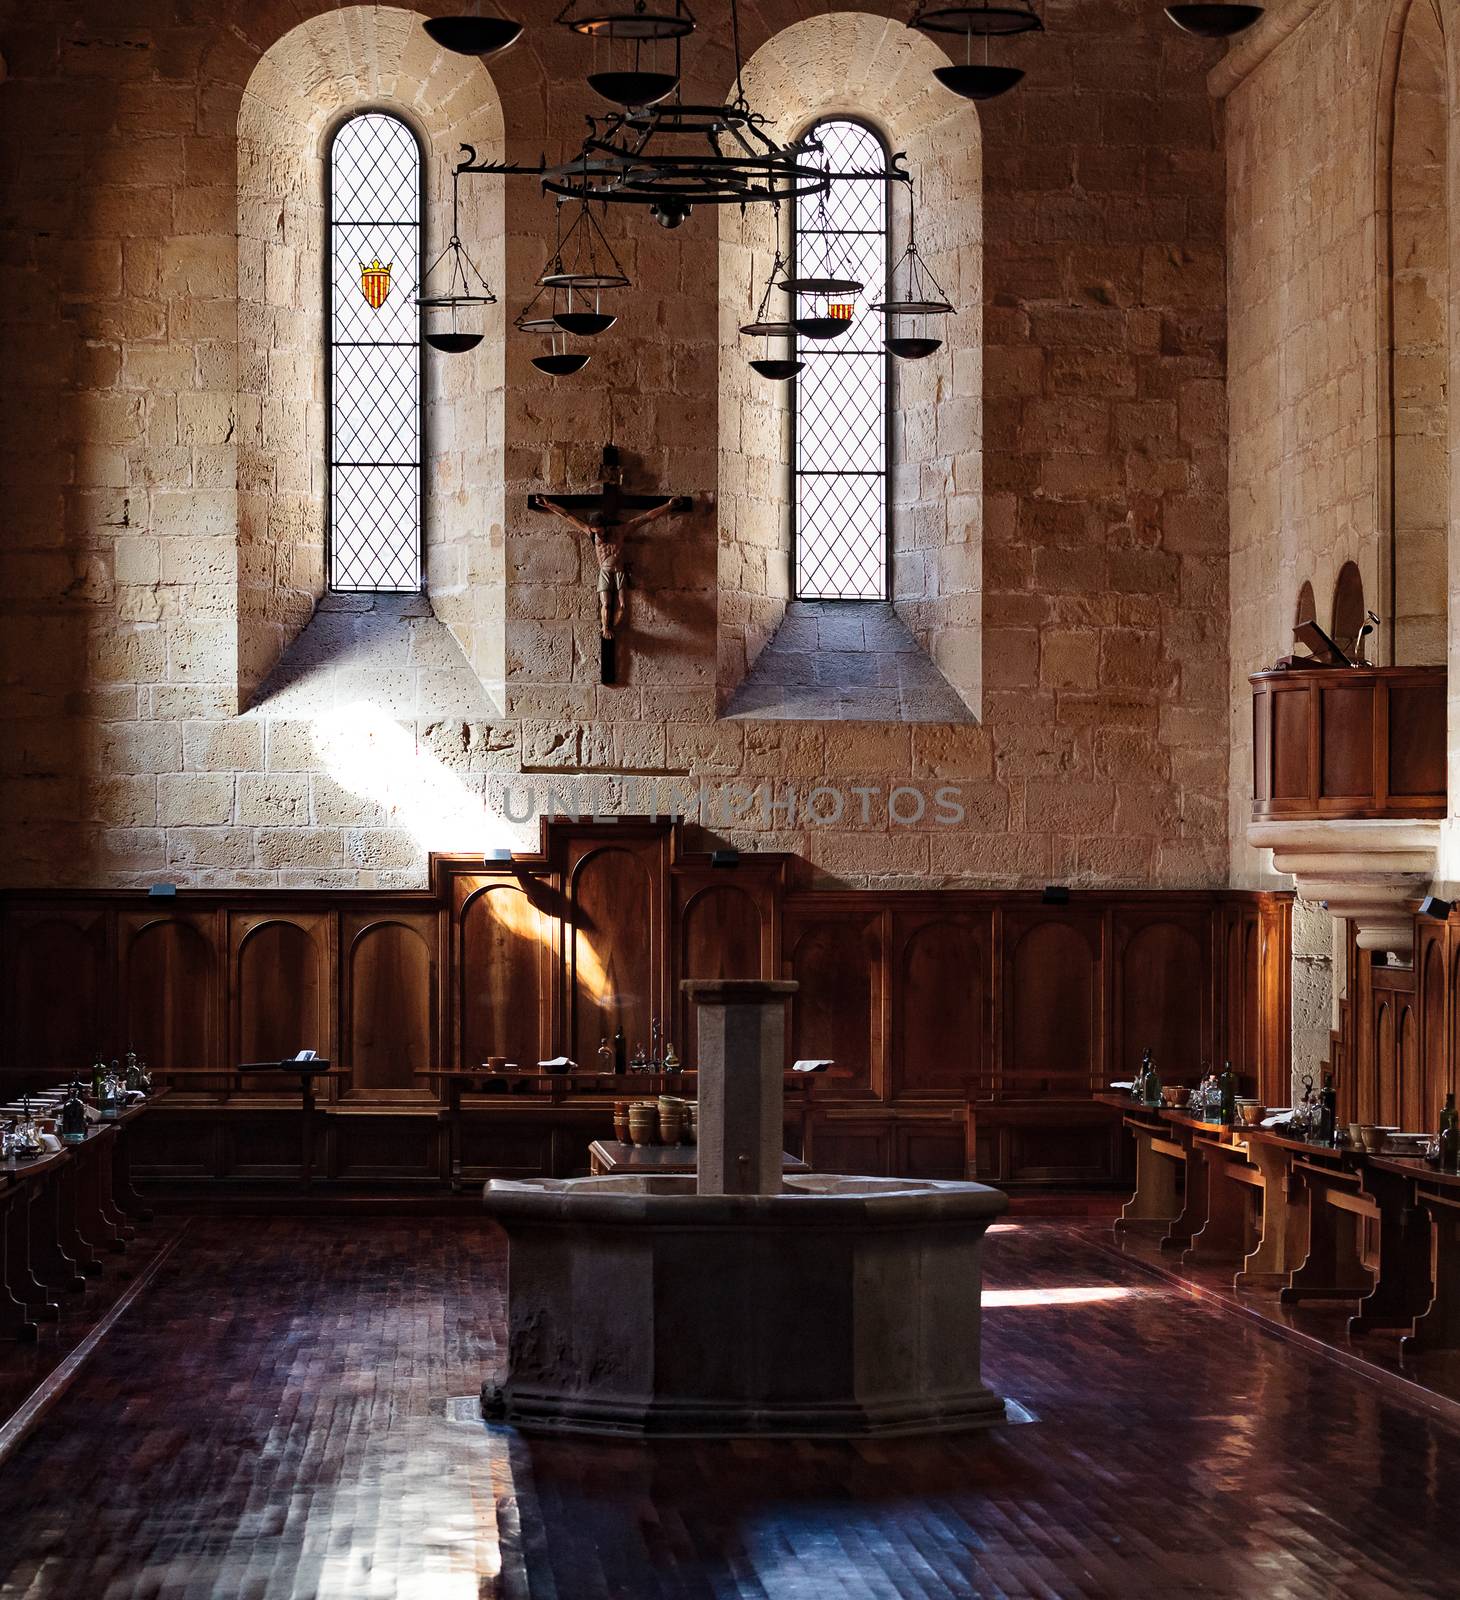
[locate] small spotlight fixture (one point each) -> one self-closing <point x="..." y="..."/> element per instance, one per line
<point x="1055" y="894"/>
<point x="724" y="858"/>
<point x="1436" y="909"/>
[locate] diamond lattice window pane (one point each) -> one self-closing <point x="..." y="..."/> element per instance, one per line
<point x="375" y="356"/>
<point x="840" y="465"/>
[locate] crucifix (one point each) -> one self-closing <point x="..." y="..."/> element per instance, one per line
<point x="608" y="516"/>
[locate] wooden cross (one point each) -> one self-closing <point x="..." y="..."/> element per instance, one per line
<point x="608" y="516"/>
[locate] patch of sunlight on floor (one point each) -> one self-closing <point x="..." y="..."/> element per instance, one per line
<point x="997" y="1299"/>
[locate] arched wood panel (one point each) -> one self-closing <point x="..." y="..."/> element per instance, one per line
<point x="1052" y="1025"/>
<point x="721" y="935"/>
<point x="836" y="1013"/>
<point x="389" y="1006"/>
<point x="1408" y="1097"/>
<point x="1376" y="1088"/>
<point x="1251" y="980"/>
<point x="1159" y="1000"/>
<point x="280" y="984"/>
<point x="940" y="1006"/>
<point x="610" y="951"/>
<point x="170" y="992"/>
<point x="57" y="978"/>
<point x="506" y="945"/>
<point x="1433" y="1077"/>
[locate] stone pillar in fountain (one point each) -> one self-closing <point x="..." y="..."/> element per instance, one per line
<point x="742" y="1054"/>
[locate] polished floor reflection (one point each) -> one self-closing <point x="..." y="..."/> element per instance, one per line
<point x="275" y="1418"/>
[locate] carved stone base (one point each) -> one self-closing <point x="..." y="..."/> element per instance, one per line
<point x="1366" y="871"/>
<point x="838" y="1307"/>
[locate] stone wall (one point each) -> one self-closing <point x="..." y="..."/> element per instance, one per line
<point x="1331" y="111"/>
<point x="131" y="548"/>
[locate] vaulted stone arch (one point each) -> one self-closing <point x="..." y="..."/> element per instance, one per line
<point x="877" y="69"/>
<point x="360" y="57"/>
<point x="1417" y="329"/>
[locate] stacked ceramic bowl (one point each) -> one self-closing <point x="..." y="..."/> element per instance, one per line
<point x="671" y="1119"/>
<point x="643" y="1122"/>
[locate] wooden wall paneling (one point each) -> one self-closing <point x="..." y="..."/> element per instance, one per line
<point x="1060" y="1142"/>
<point x="1377" y="1096"/>
<point x="725" y="926"/>
<point x="281" y="986"/>
<point x="849" y="1143"/>
<point x="1162" y="1001"/>
<point x="615" y="883"/>
<point x="836" y="954"/>
<point x="59" y="989"/>
<point x="169" y="989"/>
<point x="924" y="1147"/>
<point x="370" y="1146"/>
<point x="389" y="1002"/>
<point x="507" y="938"/>
<point x="941" y="1003"/>
<point x="1053" y="1026"/>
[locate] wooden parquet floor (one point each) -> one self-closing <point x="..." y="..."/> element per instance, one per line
<point x="272" y="1421"/>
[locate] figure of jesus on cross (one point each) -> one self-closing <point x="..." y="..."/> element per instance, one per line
<point x="602" y="516"/>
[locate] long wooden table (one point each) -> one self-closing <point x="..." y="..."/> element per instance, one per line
<point x="61" y="1214"/>
<point x="1287" y="1214"/>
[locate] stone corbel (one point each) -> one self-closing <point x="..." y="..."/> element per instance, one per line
<point x="1366" y="871"/>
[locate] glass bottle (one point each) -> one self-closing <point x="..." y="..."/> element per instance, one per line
<point x="1153" y="1082"/>
<point x="671" y="1061"/>
<point x="1449" y="1135"/>
<point x="605" y="1055"/>
<point x="620" y="1051"/>
<point x="640" y="1062"/>
<point x="1327" y="1111"/>
<point x="1138" y="1085"/>
<point x="98" y="1077"/>
<point x="1227" y="1103"/>
<point x="73" y="1117"/>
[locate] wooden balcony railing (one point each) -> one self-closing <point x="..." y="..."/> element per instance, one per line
<point x="1348" y="742"/>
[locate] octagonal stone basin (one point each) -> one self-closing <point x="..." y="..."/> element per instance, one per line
<point x="840" y="1307"/>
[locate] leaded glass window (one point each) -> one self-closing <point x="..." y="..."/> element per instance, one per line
<point x="839" y="457"/>
<point x="375" y="355"/>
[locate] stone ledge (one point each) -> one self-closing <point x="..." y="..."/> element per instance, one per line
<point x="845" y="661"/>
<point x="1367" y="871"/>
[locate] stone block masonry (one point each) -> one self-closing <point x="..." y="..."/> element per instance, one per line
<point x="163" y="457"/>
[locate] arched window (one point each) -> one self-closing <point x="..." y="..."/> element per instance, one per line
<point x="374" y="341"/>
<point x="839" y="460"/>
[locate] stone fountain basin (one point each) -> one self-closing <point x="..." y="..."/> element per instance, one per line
<point x="840" y="1307"/>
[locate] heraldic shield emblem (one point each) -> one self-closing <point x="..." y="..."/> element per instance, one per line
<point x="375" y="281"/>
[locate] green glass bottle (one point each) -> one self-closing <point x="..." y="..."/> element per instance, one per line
<point x="1450" y="1136"/>
<point x="1227" y="1085"/>
<point x="1153" y="1083"/>
<point x="98" y="1078"/>
<point x="1138" y="1087"/>
<point x="1327" y="1110"/>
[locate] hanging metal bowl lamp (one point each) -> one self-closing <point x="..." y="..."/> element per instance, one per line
<point x="473" y="36"/>
<point x="465" y="289"/>
<point x="641" y="47"/>
<point x="832" y="292"/>
<point x="762" y="326"/>
<point x="914" y="295"/>
<point x="557" y="360"/>
<point x="977" y="80"/>
<point x="1214" y="21"/>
